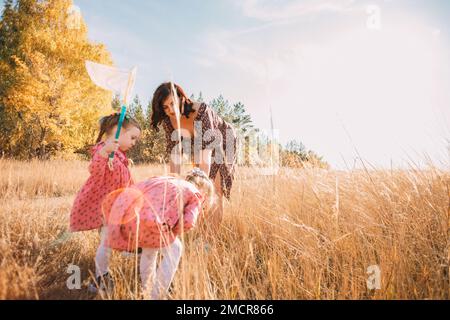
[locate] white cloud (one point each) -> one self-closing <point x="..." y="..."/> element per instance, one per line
<point x="273" y="10"/>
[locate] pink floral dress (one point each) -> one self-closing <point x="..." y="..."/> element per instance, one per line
<point x="152" y="213"/>
<point x="86" y="212"/>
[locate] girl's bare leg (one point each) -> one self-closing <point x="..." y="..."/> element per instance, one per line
<point x="213" y="217"/>
<point x="217" y="212"/>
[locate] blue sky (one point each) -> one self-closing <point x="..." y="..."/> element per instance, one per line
<point x="339" y="75"/>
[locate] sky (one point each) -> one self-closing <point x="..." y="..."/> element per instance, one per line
<point x="347" y="78"/>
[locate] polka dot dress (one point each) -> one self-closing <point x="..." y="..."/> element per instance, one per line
<point x="151" y="214"/>
<point x="86" y="212"/>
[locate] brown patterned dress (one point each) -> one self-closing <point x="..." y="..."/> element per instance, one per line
<point x="216" y="134"/>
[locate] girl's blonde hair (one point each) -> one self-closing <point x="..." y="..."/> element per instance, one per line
<point x="202" y="181"/>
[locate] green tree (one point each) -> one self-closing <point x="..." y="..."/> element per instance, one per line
<point x="137" y="112"/>
<point x="199" y="98"/>
<point x="234" y="114"/>
<point x="155" y="141"/>
<point x="151" y="146"/>
<point x="298" y="149"/>
<point x="295" y="155"/>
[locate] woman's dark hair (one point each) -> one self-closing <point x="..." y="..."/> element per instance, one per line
<point x="161" y="94"/>
<point x="108" y="122"/>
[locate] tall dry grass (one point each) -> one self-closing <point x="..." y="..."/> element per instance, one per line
<point x="304" y="234"/>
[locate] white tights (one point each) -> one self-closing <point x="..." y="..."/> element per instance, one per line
<point x="102" y="256"/>
<point x="155" y="279"/>
<point x="159" y="279"/>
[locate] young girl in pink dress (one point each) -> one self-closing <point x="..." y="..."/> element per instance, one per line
<point x="86" y="212"/>
<point x="151" y="215"/>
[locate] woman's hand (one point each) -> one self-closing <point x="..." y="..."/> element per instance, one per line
<point x="110" y="146"/>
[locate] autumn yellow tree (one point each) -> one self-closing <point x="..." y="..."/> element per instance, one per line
<point x="48" y="104"/>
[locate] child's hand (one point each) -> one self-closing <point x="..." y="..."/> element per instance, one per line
<point x="109" y="147"/>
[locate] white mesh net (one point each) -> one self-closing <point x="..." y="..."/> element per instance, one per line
<point x="119" y="81"/>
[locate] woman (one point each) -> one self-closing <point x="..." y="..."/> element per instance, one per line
<point x="211" y="140"/>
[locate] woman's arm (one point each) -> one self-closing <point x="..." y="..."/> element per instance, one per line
<point x="205" y="160"/>
<point x="174" y="168"/>
<point x="174" y="163"/>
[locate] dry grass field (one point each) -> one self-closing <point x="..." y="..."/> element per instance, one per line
<point x="304" y="234"/>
